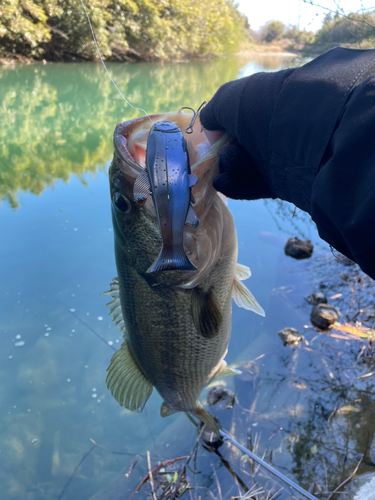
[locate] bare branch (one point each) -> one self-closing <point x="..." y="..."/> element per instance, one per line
<point x="339" y="10"/>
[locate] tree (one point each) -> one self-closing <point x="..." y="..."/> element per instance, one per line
<point x="142" y="29"/>
<point x="272" y="31"/>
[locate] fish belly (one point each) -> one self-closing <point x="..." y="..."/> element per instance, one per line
<point x="172" y="355"/>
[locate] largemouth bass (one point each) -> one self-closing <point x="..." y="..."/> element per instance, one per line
<point x="168" y="179"/>
<point x="176" y="324"/>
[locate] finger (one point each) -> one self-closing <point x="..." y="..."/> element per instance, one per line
<point x="221" y="113"/>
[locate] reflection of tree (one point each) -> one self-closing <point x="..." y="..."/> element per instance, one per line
<point x="58" y="120"/>
<point x="282" y="212"/>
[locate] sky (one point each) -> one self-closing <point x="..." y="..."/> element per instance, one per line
<point x="296" y="12"/>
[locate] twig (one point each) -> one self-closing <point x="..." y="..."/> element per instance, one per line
<point x="277" y="492"/>
<point x="346" y="480"/>
<point x="341" y="10"/>
<point x="229" y="469"/>
<point x="151" y="476"/>
<point x="132" y="465"/>
<point x="217" y="483"/>
<point x="370" y="374"/>
<point x="154" y="470"/>
<point x="113" y="452"/>
<point x="183" y="469"/>
<point x="250" y="446"/>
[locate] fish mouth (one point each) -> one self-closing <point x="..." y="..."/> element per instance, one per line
<point x="202" y="245"/>
<point x="130" y="142"/>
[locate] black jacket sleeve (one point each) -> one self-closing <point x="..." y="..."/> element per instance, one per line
<point x="307" y="136"/>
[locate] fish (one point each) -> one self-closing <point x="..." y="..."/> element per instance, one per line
<point x="176" y="324"/>
<point x="168" y="179"/>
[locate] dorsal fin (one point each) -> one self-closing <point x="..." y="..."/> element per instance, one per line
<point x="115" y="305"/>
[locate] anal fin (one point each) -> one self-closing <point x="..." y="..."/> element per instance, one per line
<point x="142" y="187"/>
<point x="165" y="410"/>
<point x="205" y="312"/>
<point x="126" y="382"/>
<point x="205" y="416"/>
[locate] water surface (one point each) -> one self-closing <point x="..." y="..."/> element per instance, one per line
<point x="56" y="340"/>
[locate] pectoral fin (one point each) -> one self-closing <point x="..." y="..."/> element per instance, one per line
<point x="165" y="411"/>
<point x="242" y="272"/>
<point x="226" y="370"/>
<point x="206" y="312"/>
<point x="142" y="188"/>
<point x="244" y="298"/>
<point x="191" y="218"/>
<point x="126" y="382"/>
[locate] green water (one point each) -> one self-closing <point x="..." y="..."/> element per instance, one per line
<point x="56" y="257"/>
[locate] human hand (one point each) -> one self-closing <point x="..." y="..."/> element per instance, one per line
<point x="240" y="176"/>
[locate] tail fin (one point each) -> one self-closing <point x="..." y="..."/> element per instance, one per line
<point x="206" y="417"/>
<point x="172" y="259"/>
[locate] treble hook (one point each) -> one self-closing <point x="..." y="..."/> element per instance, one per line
<point x="189" y="129"/>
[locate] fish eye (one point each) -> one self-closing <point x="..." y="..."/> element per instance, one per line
<point x="122" y="203"/>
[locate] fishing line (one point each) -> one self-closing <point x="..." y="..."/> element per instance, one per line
<point x="105" y="67"/>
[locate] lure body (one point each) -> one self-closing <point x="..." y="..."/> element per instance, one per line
<point x="168" y="179"/>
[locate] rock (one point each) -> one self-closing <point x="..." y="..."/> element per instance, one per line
<point x="211" y="440"/>
<point x="323" y="316"/>
<point x="290" y="336"/>
<point x="360" y="488"/>
<point x="316" y="298"/>
<point x="298" y="249"/>
<point x="221" y="393"/>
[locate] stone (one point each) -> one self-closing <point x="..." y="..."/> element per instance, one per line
<point x="290" y="336"/>
<point x="361" y="487"/>
<point x="298" y="249"/>
<point x="221" y="393"/>
<point x="211" y="440"/>
<point x="323" y="316"/>
<point x="316" y="298"/>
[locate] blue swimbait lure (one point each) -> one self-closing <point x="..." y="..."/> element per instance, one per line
<point x="167" y="178"/>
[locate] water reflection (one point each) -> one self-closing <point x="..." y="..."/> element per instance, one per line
<point x="56" y="257"/>
<point x="58" y="120"/>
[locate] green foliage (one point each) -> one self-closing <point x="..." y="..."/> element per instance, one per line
<point x="299" y="36"/>
<point x="356" y="27"/>
<point x="143" y="29"/>
<point x="272" y="31"/>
